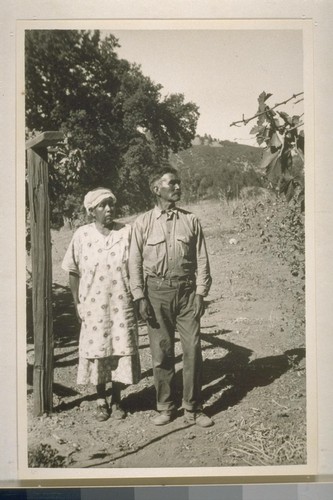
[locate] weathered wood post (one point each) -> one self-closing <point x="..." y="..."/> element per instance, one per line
<point x="37" y="166"/>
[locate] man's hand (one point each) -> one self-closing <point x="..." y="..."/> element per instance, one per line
<point x="198" y="306"/>
<point x="145" y="310"/>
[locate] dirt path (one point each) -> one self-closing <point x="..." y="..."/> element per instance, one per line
<point x="254" y="371"/>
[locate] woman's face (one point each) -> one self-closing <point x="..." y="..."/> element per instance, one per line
<point x="105" y="212"/>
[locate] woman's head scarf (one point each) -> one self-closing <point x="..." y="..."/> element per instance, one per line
<point x="96" y="196"/>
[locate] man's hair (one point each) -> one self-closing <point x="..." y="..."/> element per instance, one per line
<point x="159" y="172"/>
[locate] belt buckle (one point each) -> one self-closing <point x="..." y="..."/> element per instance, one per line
<point x="168" y="280"/>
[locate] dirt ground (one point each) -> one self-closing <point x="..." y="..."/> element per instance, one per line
<point x="253" y="345"/>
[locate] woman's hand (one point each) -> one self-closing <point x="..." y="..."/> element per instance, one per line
<point x="78" y="312"/>
<point x="74" y="281"/>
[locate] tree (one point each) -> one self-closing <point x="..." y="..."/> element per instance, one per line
<point x="117" y="125"/>
<point x="283" y="140"/>
<point x="283" y="162"/>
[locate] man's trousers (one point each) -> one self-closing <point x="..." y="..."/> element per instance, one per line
<point x="172" y="304"/>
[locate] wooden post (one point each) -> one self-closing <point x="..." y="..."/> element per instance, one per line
<point x="41" y="269"/>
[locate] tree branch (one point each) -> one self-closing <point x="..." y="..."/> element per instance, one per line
<point x="300" y="124"/>
<point x="245" y="121"/>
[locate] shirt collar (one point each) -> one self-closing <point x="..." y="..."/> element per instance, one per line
<point x="158" y="212"/>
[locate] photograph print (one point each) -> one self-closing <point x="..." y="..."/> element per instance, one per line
<point x="166" y="201"/>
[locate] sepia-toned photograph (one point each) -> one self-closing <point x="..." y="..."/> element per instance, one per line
<point x="167" y="220"/>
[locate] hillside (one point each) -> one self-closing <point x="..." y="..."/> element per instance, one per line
<point x="219" y="169"/>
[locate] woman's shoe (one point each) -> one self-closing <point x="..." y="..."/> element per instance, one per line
<point x="117" y="412"/>
<point x="102" y="413"/>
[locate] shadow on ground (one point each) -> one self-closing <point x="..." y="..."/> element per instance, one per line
<point x="235" y="375"/>
<point x="226" y="379"/>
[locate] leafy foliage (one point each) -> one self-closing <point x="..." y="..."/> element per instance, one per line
<point x="44" y="455"/>
<point x="284" y="147"/>
<point x="283" y="230"/>
<point x="280" y="227"/>
<point x="283" y="162"/>
<point x="117" y="125"/>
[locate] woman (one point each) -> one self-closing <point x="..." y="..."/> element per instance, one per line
<point x="96" y="261"/>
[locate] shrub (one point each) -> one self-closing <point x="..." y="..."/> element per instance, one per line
<point x="44" y="455"/>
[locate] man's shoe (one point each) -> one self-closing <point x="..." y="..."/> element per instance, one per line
<point x="117" y="412"/>
<point x="164" y="417"/>
<point x="102" y="413"/>
<point x="198" y="418"/>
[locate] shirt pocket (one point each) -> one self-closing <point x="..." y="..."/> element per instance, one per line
<point x="154" y="250"/>
<point x="184" y="244"/>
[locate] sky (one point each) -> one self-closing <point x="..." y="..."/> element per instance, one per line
<point x="222" y="71"/>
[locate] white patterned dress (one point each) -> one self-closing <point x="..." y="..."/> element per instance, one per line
<point x="108" y="346"/>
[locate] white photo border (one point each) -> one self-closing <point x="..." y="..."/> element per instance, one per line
<point x="209" y="474"/>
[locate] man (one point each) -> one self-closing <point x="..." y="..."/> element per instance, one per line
<point x="169" y="278"/>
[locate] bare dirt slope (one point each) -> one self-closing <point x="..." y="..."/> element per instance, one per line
<point x="254" y="371"/>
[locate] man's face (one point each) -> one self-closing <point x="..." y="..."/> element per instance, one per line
<point x="168" y="188"/>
